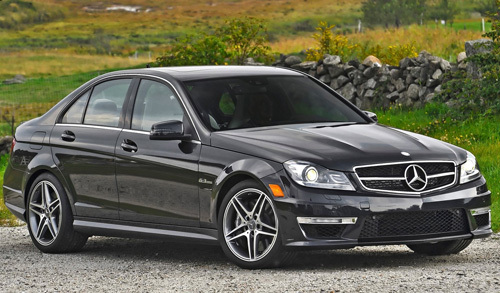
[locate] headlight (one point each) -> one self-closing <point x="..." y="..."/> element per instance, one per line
<point x="312" y="175"/>
<point x="469" y="170"/>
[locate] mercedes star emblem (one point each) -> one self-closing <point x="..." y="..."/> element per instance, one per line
<point x="416" y="178"/>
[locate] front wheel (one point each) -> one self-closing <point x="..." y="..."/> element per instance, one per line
<point x="50" y="221"/>
<point x="441" y="248"/>
<point x="249" y="228"/>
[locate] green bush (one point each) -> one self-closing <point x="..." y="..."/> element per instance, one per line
<point x="16" y="13"/>
<point x="231" y="43"/>
<point x="477" y="96"/>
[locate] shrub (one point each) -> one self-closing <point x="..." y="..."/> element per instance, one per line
<point x="328" y="43"/>
<point x="232" y="43"/>
<point x="477" y="96"/>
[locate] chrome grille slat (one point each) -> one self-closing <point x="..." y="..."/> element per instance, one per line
<point x="440" y="175"/>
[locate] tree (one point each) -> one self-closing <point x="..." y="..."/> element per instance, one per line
<point x="393" y="12"/>
<point x="445" y="10"/>
<point x="245" y="37"/>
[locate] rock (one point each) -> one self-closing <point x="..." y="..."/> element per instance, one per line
<point x="438" y="74"/>
<point x="437" y="90"/>
<point x="371" y="61"/>
<point x="17" y="79"/>
<point x="369" y="94"/>
<point x="410" y="79"/>
<point x="348" y="91"/>
<point x="355" y="63"/>
<point x="392" y="96"/>
<point x="423" y="57"/>
<point x="462" y="66"/>
<point x="445" y="65"/>
<point x="357" y="102"/>
<point x="391" y="87"/>
<point x="480" y="46"/>
<point x="325" y="78"/>
<point x="370" y="84"/>
<point x="339" y="82"/>
<point x="358" y="78"/>
<point x="330" y="60"/>
<point x="415" y="72"/>
<point x="405" y="101"/>
<point x="429" y="97"/>
<point x="371" y="71"/>
<point x="385" y="70"/>
<point x="249" y="61"/>
<point x="395" y="74"/>
<point x="305" y="66"/>
<point x="383" y="78"/>
<point x="348" y="68"/>
<point x="405" y="63"/>
<point x="412" y="92"/>
<point x="461" y="57"/>
<point x="422" y="92"/>
<point x="335" y="71"/>
<point x="320" y="70"/>
<point x="400" y="85"/>
<point x="292" y="60"/>
<point x="366" y="104"/>
<point x="432" y="82"/>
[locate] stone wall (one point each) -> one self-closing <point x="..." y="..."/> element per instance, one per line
<point x="369" y="84"/>
<point x="5" y="143"/>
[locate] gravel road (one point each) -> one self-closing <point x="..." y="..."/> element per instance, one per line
<point x="130" y="265"/>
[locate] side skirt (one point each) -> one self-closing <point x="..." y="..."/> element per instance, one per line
<point x="143" y="230"/>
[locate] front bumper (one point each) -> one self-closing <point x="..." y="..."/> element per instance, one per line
<point x="341" y="219"/>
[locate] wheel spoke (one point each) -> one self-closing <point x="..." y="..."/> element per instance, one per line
<point x="249" y="248"/>
<point x="234" y="230"/>
<point x="265" y="233"/>
<point x="239" y="212"/>
<point x="267" y="226"/>
<point x="241" y="206"/>
<point x="46" y="194"/>
<point x="51" y="227"/>
<point x="42" y="228"/>
<point x="36" y="209"/>
<point x="54" y="206"/>
<point x="255" y="244"/>
<point x="238" y="236"/>
<point x="260" y="201"/>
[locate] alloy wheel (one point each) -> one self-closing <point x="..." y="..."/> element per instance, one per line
<point x="250" y="225"/>
<point x="45" y="212"/>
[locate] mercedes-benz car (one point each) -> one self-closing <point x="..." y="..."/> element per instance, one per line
<point x="263" y="161"/>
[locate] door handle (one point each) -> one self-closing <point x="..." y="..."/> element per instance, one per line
<point x="129" y="146"/>
<point x="68" y="136"/>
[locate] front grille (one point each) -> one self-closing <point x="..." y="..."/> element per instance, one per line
<point x="322" y="231"/>
<point x="406" y="224"/>
<point x="391" y="177"/>
<point x="482" y="220"/>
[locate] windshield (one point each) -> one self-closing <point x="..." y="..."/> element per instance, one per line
<point x="244" y="102"/>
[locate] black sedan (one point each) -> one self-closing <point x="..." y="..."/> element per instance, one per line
<point x="263" y="161"/>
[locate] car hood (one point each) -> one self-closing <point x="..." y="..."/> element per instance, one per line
<point x="337" y="146"/>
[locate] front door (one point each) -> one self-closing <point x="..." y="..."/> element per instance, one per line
<point x="157" y="179"/>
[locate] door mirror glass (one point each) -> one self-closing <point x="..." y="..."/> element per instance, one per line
<point x="168" y="130"/>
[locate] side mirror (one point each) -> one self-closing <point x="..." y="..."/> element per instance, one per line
<point x="168" y="130"/>
<point x="371" y="115"/>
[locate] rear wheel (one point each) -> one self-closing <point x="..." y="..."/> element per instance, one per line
<point x="50" y="220"/>
<point x="441" y="248"/>
<point x="249" y="228"/>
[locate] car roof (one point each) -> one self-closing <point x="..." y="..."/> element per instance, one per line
<point x="186" y="73"/>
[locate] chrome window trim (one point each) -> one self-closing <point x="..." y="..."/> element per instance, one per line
<point x="455" y="178"/>
<point x="147" y="133"/>
<point x="132" y="75"/>
<point x="88" y="126"/>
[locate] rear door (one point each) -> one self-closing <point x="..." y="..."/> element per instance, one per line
<point x="157" y="179"/>
<point x="83" y="145"/>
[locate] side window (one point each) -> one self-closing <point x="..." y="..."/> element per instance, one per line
<point x="106" y="103"/>
<point x="74" y="115"/>
<point x="155" y="103"/>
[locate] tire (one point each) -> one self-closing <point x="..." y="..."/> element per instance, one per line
<point x="441" y="248"/>
<point x="249" y="229"/>
<point x="49" y="217"/>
